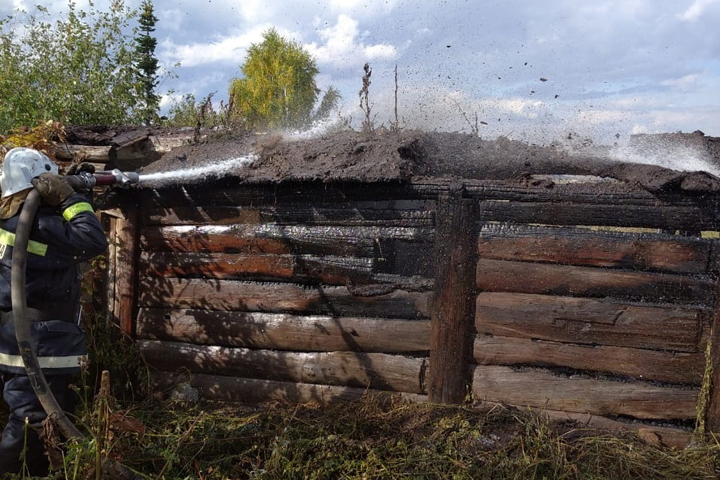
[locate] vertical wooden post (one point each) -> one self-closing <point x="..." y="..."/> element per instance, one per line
<point x="712" y="411"/>
<point x="453" y="307"/>
<point x="126" y="252"/>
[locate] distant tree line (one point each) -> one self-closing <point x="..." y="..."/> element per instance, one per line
<point x="99" y="67"/>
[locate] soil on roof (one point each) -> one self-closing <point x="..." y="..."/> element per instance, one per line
<point x="412" y="155"/>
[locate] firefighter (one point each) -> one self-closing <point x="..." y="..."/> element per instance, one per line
<point x="65" y="233"/>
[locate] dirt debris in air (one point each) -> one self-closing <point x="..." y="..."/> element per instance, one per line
<point x="411" y="155"/>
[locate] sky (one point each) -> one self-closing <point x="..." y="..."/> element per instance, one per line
<point x="525" y="69"/>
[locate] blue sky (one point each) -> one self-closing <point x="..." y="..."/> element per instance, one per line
<point x="610" y="67"/>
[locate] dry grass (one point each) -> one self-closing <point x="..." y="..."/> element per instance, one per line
<point x="381" y="438"/>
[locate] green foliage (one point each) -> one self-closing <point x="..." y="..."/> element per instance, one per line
<point x="78" y="70"/>
<point x="278" y="89"/>
<point x="188" y="112"/>
<point x="147" y="64"/>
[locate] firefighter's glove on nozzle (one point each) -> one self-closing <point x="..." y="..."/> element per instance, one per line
<point x="77" y="168"/>
<point x="52" y="188"/>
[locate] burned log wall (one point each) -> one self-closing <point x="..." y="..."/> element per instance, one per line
<point x="513" y="292"/>
<point x="575" y="317"/>
<point x="289" y="294"/>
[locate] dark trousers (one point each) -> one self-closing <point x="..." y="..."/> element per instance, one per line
<point x="23" y="403"/>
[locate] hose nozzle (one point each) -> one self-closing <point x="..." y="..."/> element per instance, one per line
<point x="85" y="181"/>
<point x="116" y="177"/>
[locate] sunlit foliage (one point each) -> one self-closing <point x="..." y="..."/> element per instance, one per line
<point x="278" y="88"/>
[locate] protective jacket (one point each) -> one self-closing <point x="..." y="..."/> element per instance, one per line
<point x="59" y="241"/>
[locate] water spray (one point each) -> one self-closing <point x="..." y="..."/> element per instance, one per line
<point x="193" y="174"/>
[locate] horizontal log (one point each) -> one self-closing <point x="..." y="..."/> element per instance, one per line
<point x="524" y="277"/>
<point x="279" y="331"/>
<point x="602" y="193"/>
<point x="605" y="193"/>
<point x="159" y="292"/>
<point x="690" y="218"/>
<point x="88" y="153"/>
<point x="671" y="437"/>
<point x="576" y="246"/>
<point x="397" y="250"/>
<point x="290" y="211"/>
<point x="330" y="270"/>
<point x="669" y="367"/>
<point x="373" y="370"/>
<point x="254" y="391"/>
<point x="343" y="215"/>
<point x="542" y="389"/>
<point x="266" y="239"/>
<point x="590" y="322"/>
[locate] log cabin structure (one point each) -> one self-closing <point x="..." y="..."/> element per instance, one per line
<point x="587" y="297"/>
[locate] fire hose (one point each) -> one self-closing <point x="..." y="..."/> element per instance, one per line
<point x="84" y="181"/>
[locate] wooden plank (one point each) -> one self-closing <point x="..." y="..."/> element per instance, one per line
<point x="585" y="321"/>
<point x="542" y="389"/>
<point x="111" y="271"/>
<point x="126" y="139"/>
<point x="126" y="271"/>
<point x="255" y="391"/>
<point x="712" y="412"/>
<point x="373" y="370"/>
<point x="343" y="214"/>
<point x="661" y="366"/>
<point x="160" y="292"/>
<point x="524" y="277"/>
<point x="689" y="218"/>
<point x="452" y="313"/>
<point x="329" y="269"/>
<point x="278" y="331"/>
<point x="575" y="246"/>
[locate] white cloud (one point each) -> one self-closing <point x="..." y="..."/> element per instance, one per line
<point x="255" y="10"/>
<point x="365" y="6"/>
<point x="683" y="82"/>
<point x="230" y="49"/>
<point x="599" y="117"/>
<point x="696" y="10"/>
<point x="514" y="106"/>
<point x="343" y="44"/>
<point x="171" y="19"/>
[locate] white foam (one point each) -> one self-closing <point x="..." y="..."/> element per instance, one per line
<point x="212" y="170"/>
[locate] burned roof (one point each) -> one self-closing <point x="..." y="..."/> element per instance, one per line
<point x="411" y="155"/>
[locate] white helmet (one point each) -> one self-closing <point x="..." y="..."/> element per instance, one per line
<point x="21" y="165"/>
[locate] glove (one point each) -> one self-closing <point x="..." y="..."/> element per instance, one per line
<point x="76" y="168"/>
<point x="53" y="189"/>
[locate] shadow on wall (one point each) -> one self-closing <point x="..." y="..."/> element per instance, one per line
<point x="302" y="300"/>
